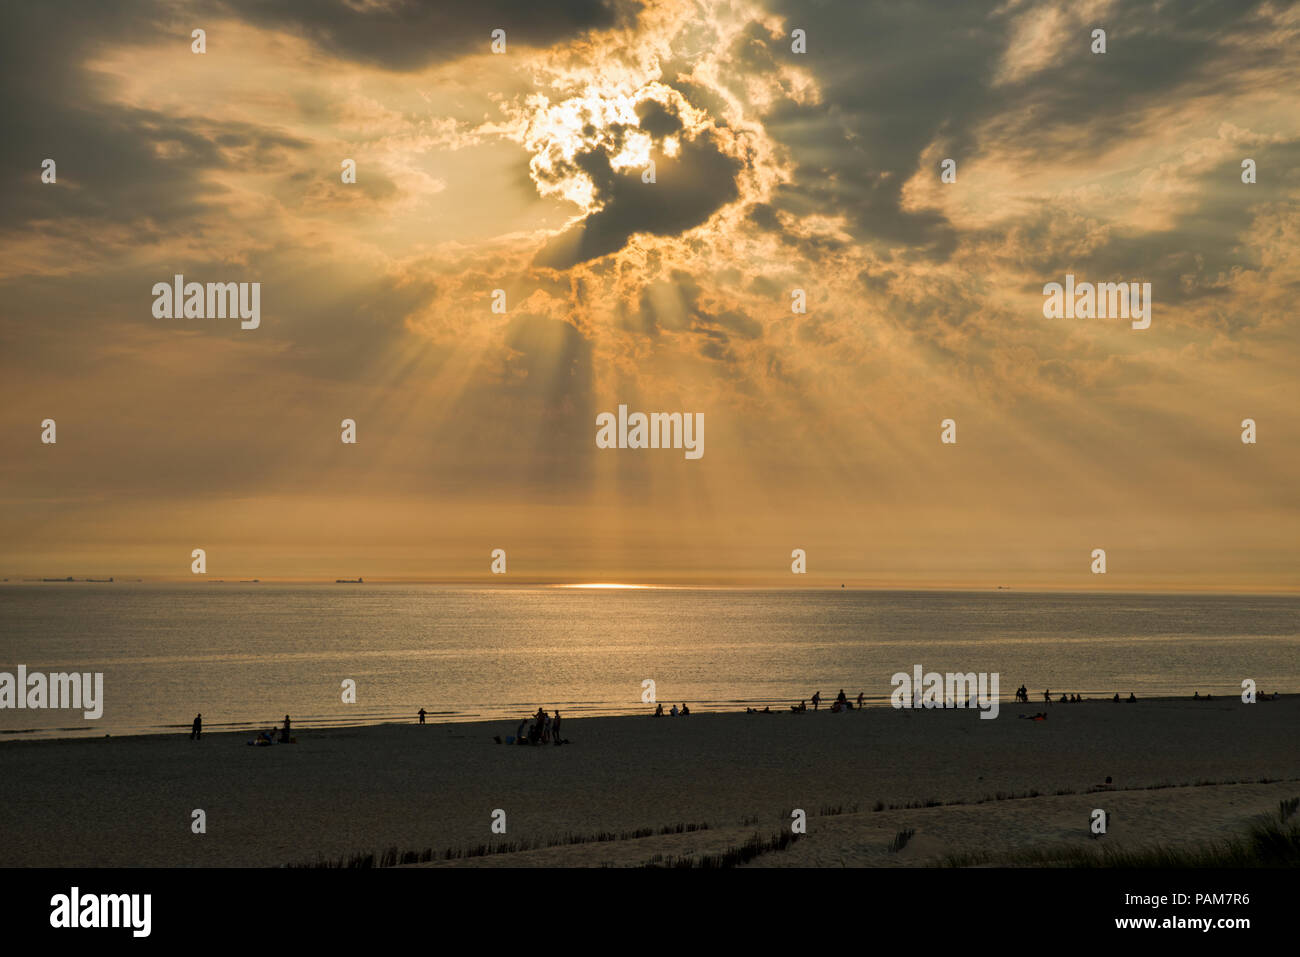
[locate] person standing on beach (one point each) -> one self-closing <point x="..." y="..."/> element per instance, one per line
<point x="555" y="728"/>
<point x="816" y="700"/>
<point x="196" y="729"/>
<point x="284" y="732"/>
<point x="859" y="700"/>
<point x="422" y="714"/>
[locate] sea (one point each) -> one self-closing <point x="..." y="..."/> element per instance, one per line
<point x="244" y="655"/>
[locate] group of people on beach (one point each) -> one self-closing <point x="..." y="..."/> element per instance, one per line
<point x="541" y="729"/>
<point x="1022" y="696"/>
<point x="262" y="738"/>
<point x="673" y="712"/>
<point x="841" y="703"/>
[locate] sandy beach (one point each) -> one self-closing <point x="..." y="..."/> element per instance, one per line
<point x="1183" y="772"/>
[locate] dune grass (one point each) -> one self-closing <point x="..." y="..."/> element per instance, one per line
<point x="1270" y="842"/>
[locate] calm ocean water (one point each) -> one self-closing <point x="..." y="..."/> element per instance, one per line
<point x="244" y="655"/>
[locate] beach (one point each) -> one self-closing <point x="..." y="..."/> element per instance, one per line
<point x="1182" y="771"/>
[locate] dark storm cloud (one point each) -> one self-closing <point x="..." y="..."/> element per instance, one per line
<point x="896" y="78"/>
<point x="689" y="188"/>
<point x="115" y="164"/>
<point x="411" y="34"/>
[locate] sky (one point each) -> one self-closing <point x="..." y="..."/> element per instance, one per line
<point x="782" y="162"/>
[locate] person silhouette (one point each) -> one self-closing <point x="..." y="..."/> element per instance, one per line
<point x="196" y="729"/>
<point x="816" y="700"/>
<point x="422" y="714"/>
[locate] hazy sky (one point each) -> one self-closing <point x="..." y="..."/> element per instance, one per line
<point x="774" y="171"/>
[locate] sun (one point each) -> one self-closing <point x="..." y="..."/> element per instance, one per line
<point x="605" y="585"/>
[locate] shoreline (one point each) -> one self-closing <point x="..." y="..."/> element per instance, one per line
<point x="1006" y="706"/>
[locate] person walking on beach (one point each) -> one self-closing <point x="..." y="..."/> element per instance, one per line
<point x="196" y="729"/>
<point x="422" y="714"/>
<point x="1047" y="695"/>
<point x="859" y="700"/>
<point x="816" y="700"/>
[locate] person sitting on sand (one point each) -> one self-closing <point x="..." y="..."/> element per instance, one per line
<point x="1209" y="697"/>
<point x="685" y="710"/>
<point x="1116" y="698"/>
<point x="673" y="712"/>
<point x="659" y="711"/>
<point x="840" y="697"/>
<point x="1131" y="697"/>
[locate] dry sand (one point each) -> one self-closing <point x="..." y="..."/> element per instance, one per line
<point x="128" y="801"/>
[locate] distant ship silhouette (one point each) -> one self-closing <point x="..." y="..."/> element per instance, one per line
<point x="349" y="581"/>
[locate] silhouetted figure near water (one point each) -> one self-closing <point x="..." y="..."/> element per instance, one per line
<point x="196" y="729"/>
<point x="422" y="714"/>
<point x="555" y="728"/>
<point x="816" y="700"/>
<point x="659" y="710"/>
<point x="859" y="700"/>
<point x="685" y="710"/>
<point x="1047" y="695"/>
<point x="1131" y="697"/>
<point x="284" y="732"/>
